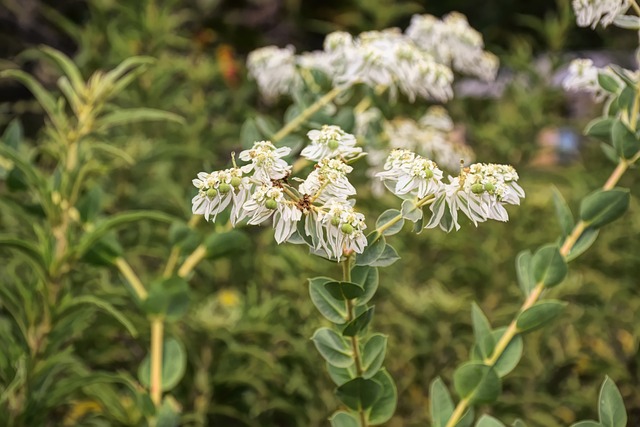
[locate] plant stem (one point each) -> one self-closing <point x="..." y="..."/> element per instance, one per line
<point x="357" y="359"/>
<point x="308" y="112"/>
<point x="157" y="332"/>
<point x="175" y="251"/>
<point x="635" y="6"/>
<point x="192" y="260"/>
<point x="534" y="296"/>
<point x="419" y="204"/>
<point x="132" y="278"/>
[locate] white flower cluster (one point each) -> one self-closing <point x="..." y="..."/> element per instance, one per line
<point x="259" y="191"/>
<point x="417" y="62"/>
<point x="431" y="136"/>
<point x="583" y="77"/>
<point x="453" y="42"/>
<point x="592" y="12"/>
<point x="479" y="191"/>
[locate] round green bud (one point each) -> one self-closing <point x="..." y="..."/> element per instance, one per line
<point x="477" y="188"/>
<point x="236" y="181"/>
<point x="489" y="187"/>
<point x="271" y="204"/>
<point x="224" y="188"/>
<point x="333" y="144"/>
<point x="347" y="228"/>
<point x="335" y="221"/>
<point x="428" y="173"/>
<point x="212" y="193"/>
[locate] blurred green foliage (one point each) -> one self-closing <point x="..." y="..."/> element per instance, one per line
<point x="250" y="361"/>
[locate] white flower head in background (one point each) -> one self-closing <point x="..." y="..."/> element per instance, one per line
<point x="591" y="12"/>
<point x="266" y="161"/>
<point x="583" y="77"/>
<point x="330" y="141"/>
<point x="274" y="70"/>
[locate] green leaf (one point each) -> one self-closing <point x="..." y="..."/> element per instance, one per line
<point x="488" y="421"/>
<point x="267" y="126"/>
<point x="359" y="393"/>
<point x="367" y="277"/>
<point x="249" y="133"/>
<point x="565" y="217"/>
<point x="624" y="101"/>
<point x="519" y="423"/>
<point x="331" y="308"/>
<point x="29" y="249"/>
<point x="611" y="406"/>
<point x="482" y="332"/>
<point x="102" y="228"/>
<point x="385" y="406"/>
<point x="389" y="256"/>
<point x="340" y="375"/>
<point x="539" y="314"/>
<point x="102" y="305"/>
<point x="624" y="140"/>
<point x="524" y="272"/>
<point x="344" y="290"/>
<point x="608" y="83"/>
<point x="375" y="247"/>
<point x="124" y="116"/>
<point x="477" y="382"/>
<point x="46" y="100"/>
<point x="105" y="251"/>
<point x="610" y="152"/>
<point x="169" y="413"/>
<point x="67" y="66"/>
<point x="511" y="355"/>
<point x="587" y="423"/>
<point x="358" y="324"/>
<point x="604" y="206"/>
<point x="548" y="266"/>
<point x="467" y="419"/>
<point x="586" y="239"/>
<point x="174" y="364"/>
<point x="343" y="419"/>
<point x="441" y="403"/>
<point x="600" y="128"/>
<point x="373" y="355"/>
<point x="411" y="212"/>
<point x="13" y="134"/>
<point x="219" y="245"/>
<point x="386" y="217"/>
<point x="168" y="298"/>
<point x="333" y="348"/>
<point x="90" y="204"/>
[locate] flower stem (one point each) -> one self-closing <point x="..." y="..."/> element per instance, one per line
<point x="357" y="359"/>
<point x="192" y="260"/>
<point x="308" y="112"/>
<point x="534" y="296"/>
<point x="175" y="251"/>
<point x="132" y="278"/>
<point x="157" y="332"/>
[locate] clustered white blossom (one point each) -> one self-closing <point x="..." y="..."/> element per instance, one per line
<point x="431" y="136"/>
<point x="417" y="62"/>
<point x="592" y="12"/>
<point x="480" y="191"/>
<point x="583" y="77"/>
<point x="259" y="191"/>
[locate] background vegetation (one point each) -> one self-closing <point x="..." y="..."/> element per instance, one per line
<point x="247" y="331"/>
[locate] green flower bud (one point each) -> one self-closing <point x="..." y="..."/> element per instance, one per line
<point x="211" y="193"/>
<point x="271" y="204"/>
<point x="489" y="187"/>
<point x="477" y="188"/>
<point x="224" y="188"/>
<point x="333" y="144"/>
<point x="347" y="228"/>
<point x="335" y="221"/>
<point x="236" y="181"/>
<point x="428" y="173"/>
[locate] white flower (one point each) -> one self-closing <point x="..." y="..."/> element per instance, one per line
<point x="328" y="180"/>
<point x="330" y="141"/>
<point x="267" y="201"/>
<point x="592" y="12"/>
<point x="340" y="228"/>
<point x="583" y="76"/>
<point x="266" y="161"/>
<point x="218" y="189"/>
<point x="412" y="174"/>
<point x="480" y="192"/>
<point x="274" y="70"/>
